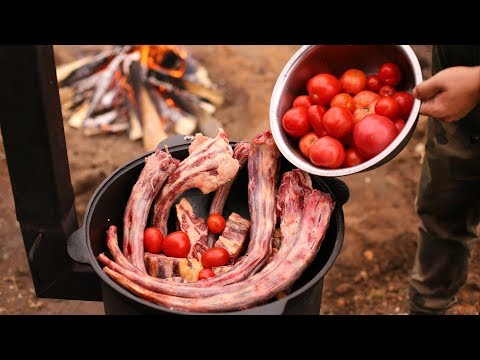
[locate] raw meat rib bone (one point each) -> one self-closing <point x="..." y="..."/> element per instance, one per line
<point x="290" y="194"/>
<point x="161" y="266"/>
<point x="209" y="165"/>
<point x="112" y="244"/>
<point x="194" y="227"/>
<point x="158" y="167"/>
<point x="263" y="173"/>
<point x="289" y="201"/>
<point x="263" y="167"/>
<point x="219" y="199"/>
<point x="275" y="277"/>
<point x="234" y="236"/>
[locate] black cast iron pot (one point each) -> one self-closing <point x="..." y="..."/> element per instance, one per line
<point x="107" y="207"/>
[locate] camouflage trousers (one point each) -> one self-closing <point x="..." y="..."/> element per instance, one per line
<point x="448" y="201"/>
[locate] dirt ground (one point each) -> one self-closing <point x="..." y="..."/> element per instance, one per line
<point x="371" y="273"/>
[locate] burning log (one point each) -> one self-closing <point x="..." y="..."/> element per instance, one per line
<point x="105" y="80"/>
<point x="70" y="73"/>
<point x="148" y="91"/>
<point x="135" y="130"/>
<point x="212" y="95"/>
<point x="153" y="125"/>
<point x="200" y="110"/>
<point x="76" y="120"/>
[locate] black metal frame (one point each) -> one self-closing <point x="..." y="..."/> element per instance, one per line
<point x="34" y="141"/>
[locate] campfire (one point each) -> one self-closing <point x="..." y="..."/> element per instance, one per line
<point x="148" y="92"/>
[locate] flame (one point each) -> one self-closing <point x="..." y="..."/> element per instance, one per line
<point x="117" y="76"/>
<point x="152" y="56"/>
<point x="144" y="51"/>
<point x="170" y="102"/>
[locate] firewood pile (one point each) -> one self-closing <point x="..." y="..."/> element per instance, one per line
<point x="146" y="91"/>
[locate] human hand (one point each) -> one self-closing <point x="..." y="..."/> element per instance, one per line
<point x="450" y="94"/>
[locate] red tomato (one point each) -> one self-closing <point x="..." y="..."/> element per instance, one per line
<point x="373" y="134"/>
<point x="405" y="100"/>
<point x="399" y="124"/>
<point x="215" y="256"/>
<point x="322" y="88"/>
<point x="205" y="274"/>
<point x="390" y="74"/>
<point x="306" y="143"/>
<point x="387" y="106"/>
<point x="302" y="101"/>
<point x="374" y="83"/>
<point x="315" y="116"/>
<point x="295" y="122"/>
<point x="152" y="240"/>
<point x="352" y="158"/>
<point x="364" y="104"/>
<point x="353" y="81"/>
<point x="215" y="223"/>
<point x="176" y="244"/>
<point x="338" y="122"/>
<point x="387" y="90"/>
<point x="344" y="100"/>
<point x="327" y="152"/>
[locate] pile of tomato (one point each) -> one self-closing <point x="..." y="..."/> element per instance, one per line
<point x="177" y="244"/>
<point x="344" y="122"/>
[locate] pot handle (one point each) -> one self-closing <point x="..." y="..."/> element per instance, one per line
<point x="339" y="189"/>
<point x="182" y="140"/>
<point x="77" y="246"/>
<point x="175" y="140"/>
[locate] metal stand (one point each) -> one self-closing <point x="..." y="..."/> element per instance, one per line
<point x="34" y="140"/>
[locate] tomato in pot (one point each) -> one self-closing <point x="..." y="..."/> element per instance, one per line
<point x="302" y="101"/>
<point x="388" y="107"/>
<point x="176" y="244"/>
<point x="327" y="152"/>
<point x="374" y="83"/>
<point x="205" y="274"/>
<point x="364" y="104"/>
<point x="216" y="223"/>
<point x="152" y="240"/>
<point x="343" y="100"/>
<point x="306" y="143"/>
<point x="295" y="122"/>
<point x="215" y="256"/>
<point x="315" y="118"/>
<point x="353" y="81"/>
<point x="338" y="122"/>
<point x="352" y="158"/>
<point x="390" y="74"/>
<point x="373" y="134"/>
<point x="405" y="101"/>
<point x="322" y="88"/>
<point x="399" y="124"/>
<point x="387" y="90"/>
